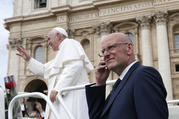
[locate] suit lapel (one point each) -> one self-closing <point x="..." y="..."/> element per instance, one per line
<point x="114" y="94"/>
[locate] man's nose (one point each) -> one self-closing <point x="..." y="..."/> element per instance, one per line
<point x="106" y="55"/>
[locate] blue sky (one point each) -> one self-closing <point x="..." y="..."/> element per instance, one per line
<point x="6" y="11"/>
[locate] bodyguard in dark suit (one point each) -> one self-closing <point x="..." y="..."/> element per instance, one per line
<point x="139" y="93"/>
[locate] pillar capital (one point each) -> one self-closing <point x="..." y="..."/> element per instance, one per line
<point x="144" y="21"/>
<point x="14" y="42"/>
<point x="103" y="28"/>
<point x="71" y="32"/>
<point x="161" y="17"/>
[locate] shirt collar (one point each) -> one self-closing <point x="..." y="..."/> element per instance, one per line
<point x="126" y="70"/>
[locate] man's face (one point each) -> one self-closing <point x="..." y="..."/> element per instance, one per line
<point x="53" y="41"/>
<point x="115" y="52"/>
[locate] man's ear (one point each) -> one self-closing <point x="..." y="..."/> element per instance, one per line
<point x="58" y="36"/>
<point x="129" y="49"/>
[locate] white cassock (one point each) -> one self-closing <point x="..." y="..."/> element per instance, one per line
<point x="70" y="67"/>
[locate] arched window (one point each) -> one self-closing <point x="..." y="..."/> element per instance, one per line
<point x="176" y="41"/>
<point x="176" y="37"/>
<point x="36" y="85"/>
<point x="39" y="53"/>
<point x="86" y="45"/>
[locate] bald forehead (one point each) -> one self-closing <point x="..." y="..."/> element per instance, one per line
<point x="117" y="37"/>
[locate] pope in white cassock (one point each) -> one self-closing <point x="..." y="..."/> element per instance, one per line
<point x="70" y="67"/>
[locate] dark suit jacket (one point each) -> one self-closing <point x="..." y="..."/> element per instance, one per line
<point x="140" y="95"/>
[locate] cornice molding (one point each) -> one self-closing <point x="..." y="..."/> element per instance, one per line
<point x="97" y="5"/>
<point x="174" y="17"/>
<point x="104" y="2"/>
<point x="26" y="18"/>
<point x="60" y="9"/>
<point x="83" y="7"/>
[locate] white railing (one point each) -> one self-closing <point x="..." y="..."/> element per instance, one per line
<point x="35" y="94"/>
<point x="78" y="87"/>
<point x="173" y="109"/>
<point x="172" y="101"/>
<point x="40" y="95"/>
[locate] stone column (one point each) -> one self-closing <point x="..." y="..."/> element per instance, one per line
<point x="147" y="57"/>
<point x="71" y="33"/>
<point x="14" y="60"/>
<point x="163" y="51"/>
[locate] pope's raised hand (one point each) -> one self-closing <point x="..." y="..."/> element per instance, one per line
<point x="22" y="52"/>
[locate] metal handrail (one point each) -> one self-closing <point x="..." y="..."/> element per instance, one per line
<point x="34" y="94"/>
<point x="78" y="87"/>
<point x="172" y="101"/>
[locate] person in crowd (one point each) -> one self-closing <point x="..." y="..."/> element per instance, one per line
<point x="38" y="106"/>
<point x="70" y="67"/>
<point x="39" y="112"/>
<point x="139" y="92"/>
<point x="24" y="107"/>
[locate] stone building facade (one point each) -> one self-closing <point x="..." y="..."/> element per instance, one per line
<point x="153" y="25"/>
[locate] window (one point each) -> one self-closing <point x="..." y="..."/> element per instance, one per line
<point x="176" y="42"/>
<point x="177" y="67"/>
<point x="39" y="54"/>
<point x="40" y="3"/>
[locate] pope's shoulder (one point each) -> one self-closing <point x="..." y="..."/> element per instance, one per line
<point x="71" y="41"/>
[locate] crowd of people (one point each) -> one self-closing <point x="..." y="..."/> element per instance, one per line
<point x="36" y="111"/>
